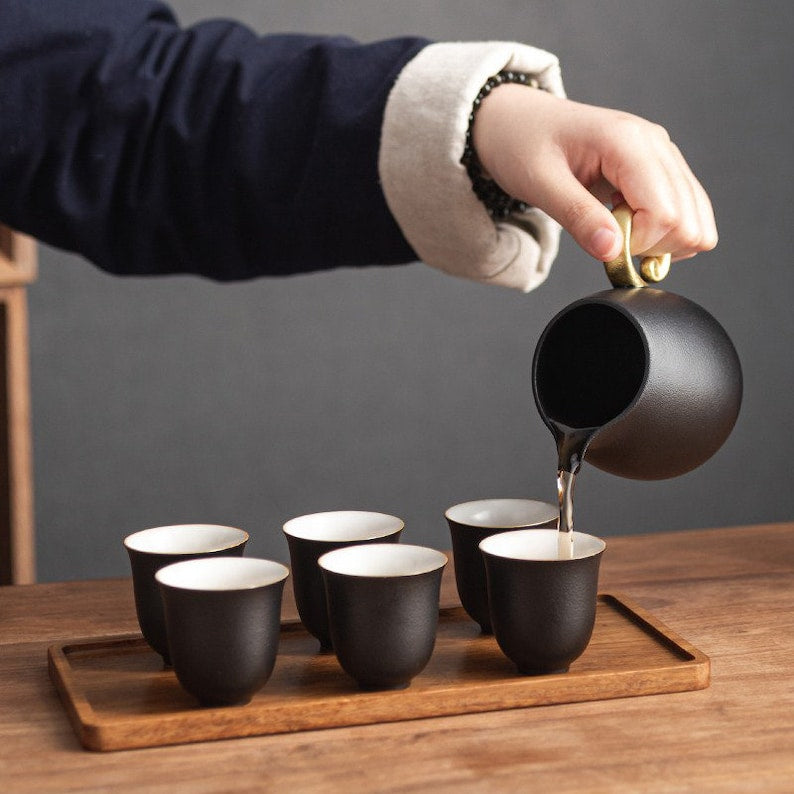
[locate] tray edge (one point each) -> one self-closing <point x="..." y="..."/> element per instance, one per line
<point x="99" y="734"/>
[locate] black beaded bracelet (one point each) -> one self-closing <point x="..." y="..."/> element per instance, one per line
<point x="498" y="203"/>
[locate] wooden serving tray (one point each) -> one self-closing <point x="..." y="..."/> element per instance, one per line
<point x="118" y="695"/>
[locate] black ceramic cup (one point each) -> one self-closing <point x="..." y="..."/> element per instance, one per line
<point x="223" y="616"/>
<point x="151" y="549"/>
<point x="542" y="607"/>
<point x="383" y="610"/>
<point x="469" y="524"/>
<point x="311" y="536"/>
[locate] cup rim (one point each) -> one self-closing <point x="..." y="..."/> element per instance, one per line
<point x="222" y="574"/>
<point x="359" y="525"/>
<point x="225" y="538"/>
<point x="458" y="513"/>
<point x="539" y="545"/>
<point x="382" y="560"/>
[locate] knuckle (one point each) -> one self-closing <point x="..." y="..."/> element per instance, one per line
<point x="660" y="133"/>
<point x="667" y="218"/>
<point x="710" y="240"/>
<point x="629" y="128"/>
<point x="706" y="240"/>
<point x="691" y="239"/>
<point x="635" y="131"/>
<point x="691" y="236"/>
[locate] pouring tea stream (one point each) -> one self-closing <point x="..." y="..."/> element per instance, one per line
<point x="644" y="383"/>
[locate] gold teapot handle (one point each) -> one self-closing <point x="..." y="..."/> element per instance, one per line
<point x="621" y="271"/>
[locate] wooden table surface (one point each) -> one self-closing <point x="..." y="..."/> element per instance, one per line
<point x="730" y="592"/>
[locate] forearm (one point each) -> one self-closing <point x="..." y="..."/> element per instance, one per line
<point x="150" y="148"/>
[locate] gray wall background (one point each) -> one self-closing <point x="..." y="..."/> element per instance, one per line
<point x="176" y="400"/>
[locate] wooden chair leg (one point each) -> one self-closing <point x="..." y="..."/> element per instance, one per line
<point x="17" y="534"/>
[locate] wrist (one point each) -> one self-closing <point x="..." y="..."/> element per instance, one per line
<point x="428" y="190"/>
<point x="484" y="139"/>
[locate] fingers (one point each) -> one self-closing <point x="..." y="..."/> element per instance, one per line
<point x="568" y="159"/>
<point x="583" y="215"/>
<point x="673" y="213"/>
<point x="705" y="235"/>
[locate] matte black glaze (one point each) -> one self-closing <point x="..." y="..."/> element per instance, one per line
<point x="224" y="642"/>
<point x="307" y="580"/>
<point x="383" y="629"/>
<point x="542" y="612"/>
<point x="470" y="569"/>
<point x="653" y="373"/>
<point x="148" y="602"/>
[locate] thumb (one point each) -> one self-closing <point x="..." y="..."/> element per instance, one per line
<point x="581" y="214"/>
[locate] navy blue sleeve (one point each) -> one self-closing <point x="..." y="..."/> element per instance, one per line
<point x="151" y="148"/>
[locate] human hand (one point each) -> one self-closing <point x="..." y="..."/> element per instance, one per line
<point x="568" y="159"/>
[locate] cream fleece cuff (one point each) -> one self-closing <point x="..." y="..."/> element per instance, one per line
<point x="427" y="189"/>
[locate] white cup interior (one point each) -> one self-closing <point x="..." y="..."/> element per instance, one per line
<point x="222" y="573"/>
<point x="539" y="544"/>
<point x="343" y="526"/>
<point x="185" y="539"/>
<point x="383" y="560"/>
<point x="502" y="513"/>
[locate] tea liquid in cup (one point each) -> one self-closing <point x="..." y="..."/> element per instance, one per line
<point x="383" y="610"/>
<point x="469" y="524"/>
<point x="223" y="616"/>
<point x="311" y="536"/>
<point x="542" y="607"/>
<point x="151" y="549"/>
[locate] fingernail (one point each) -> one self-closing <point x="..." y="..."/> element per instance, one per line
<point x="602" y="243"/>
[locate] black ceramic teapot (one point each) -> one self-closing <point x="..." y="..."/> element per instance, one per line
<point x="648" y="382"/>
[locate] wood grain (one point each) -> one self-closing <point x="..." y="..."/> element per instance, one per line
<point x="118" y="696"/>
<point x="729" y="591"/>
<point x="17" y="541"/>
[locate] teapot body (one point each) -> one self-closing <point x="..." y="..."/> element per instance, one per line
<point x="653" y="375"/>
